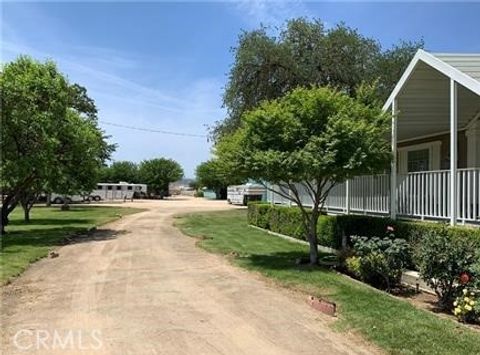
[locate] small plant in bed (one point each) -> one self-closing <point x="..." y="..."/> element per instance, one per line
<point x="377" y="261"/>
<point x="467" y="306"/>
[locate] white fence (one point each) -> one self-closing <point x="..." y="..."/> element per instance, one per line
<point x="424" y="195"/>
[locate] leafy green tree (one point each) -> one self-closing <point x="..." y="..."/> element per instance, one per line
<point x="211" y="175"/>
<point x="194" y="185"/>
<point x="305" y="143"/>
<point x="38" y="104"/>
<point x="84" y="152"/>
<point x="391" y="65"/>
<point x="304" y="53"/>
<point x="158" y="173"/>
<point x="120" y="171"/>
<point x="34" y="103"/>
<point x="29" y="197"/>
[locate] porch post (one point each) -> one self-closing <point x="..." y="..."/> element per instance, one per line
<point x="453" y="152"/>
<point x="289" y="197"/>
<point x="393" y="169"/>
<point x="273" y="194"/>
<point x="347" y="196"/>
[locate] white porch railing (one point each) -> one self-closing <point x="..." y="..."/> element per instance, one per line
<point x="424" y="195"/>
<point x="427" y="194"/>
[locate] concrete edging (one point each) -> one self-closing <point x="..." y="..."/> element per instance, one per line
<point x="295" y="240"/>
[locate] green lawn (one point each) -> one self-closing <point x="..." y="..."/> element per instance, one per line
<point x="26" y="243"/>
<point x="394" y="325"/>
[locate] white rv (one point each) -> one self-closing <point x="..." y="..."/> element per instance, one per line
<point x="242" y="194"/>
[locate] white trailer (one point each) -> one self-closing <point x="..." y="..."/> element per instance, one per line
<point x="105" y="191"/>
<point x="120" y="191"/>
<point x="242" y="194"/>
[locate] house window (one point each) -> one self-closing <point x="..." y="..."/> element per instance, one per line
<point x="119" y="187"/>
<point x="129" y="187"/>
<point x="109" y="187"/>
<point x="418" y="160"/>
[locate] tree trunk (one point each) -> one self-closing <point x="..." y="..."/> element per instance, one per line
<point x="26" y="214"/>
<point x="49" y="200"/>
<point x="312" y="238"/>
<point x="65" y="206"/>
<point x="4" y="221"/>
<point x="27" y="204"/>
<point x="8" y="206"/>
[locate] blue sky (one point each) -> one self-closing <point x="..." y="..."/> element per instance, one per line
<point x="164" y="65"/>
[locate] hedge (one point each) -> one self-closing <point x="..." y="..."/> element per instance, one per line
<point x="331" y="229"/>
<point x="288" y="221"/>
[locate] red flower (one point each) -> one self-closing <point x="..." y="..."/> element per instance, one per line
<point x="464" y="278"/>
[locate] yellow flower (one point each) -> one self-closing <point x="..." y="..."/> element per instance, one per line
<point x="466" y="299"/>
<point x="468" y="307"/>
<point x="472" y="303"/>
<point x="457" y="311"/>
<point x="465" y="291"/>
<point x="455" y="303"/>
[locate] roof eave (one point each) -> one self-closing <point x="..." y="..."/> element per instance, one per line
<point x="440" y="66"/>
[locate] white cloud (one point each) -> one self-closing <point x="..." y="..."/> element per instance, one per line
<point x="270" y="13"/>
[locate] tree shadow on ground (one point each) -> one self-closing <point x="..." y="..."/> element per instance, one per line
<point x="49" y="222"/>
<point x="93" y="236"/>
<point x="54" y="237"/>
<point x="296" y="260"/>
<point x="74" y="207"/>
<point x="174" y="198"/>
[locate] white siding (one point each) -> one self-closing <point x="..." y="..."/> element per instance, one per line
<point x="466" y="63"/>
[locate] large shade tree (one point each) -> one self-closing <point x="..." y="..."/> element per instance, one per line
<point x="158" y="174"/>
<point x="120" y="171"/>
<point x="268" y="65"/>
<point x="83" y="154"/>
<point x="306" y="142"/>
<point x="43" y="121"/>
<point x="211" y="174"/>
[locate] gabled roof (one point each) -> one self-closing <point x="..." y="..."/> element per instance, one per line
<point x="463" y="68"/>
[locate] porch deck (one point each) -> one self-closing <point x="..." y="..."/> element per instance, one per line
<point x="420" y="195"/>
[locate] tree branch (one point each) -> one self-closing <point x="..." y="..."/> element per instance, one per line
<point x="288" y="197"/>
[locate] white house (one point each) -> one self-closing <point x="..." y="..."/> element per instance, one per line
<point x="435" y="139"/>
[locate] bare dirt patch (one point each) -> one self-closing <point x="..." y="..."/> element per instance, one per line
<point x="148" y="289"/>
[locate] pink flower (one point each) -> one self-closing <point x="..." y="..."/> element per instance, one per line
<point x="390" y="229"/>
<point x="464" y="278"/>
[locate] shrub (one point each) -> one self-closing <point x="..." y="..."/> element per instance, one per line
<point x="381" y="260"/>
<point x="259" y="214"/>
<point x="467" y="306"/>
<point x="333" y="231"/>
<point x="198" y="193"/>
<point x="475" y="273"/>
<point x="287" y="221"/>
<point x="329" y="233"/>
<point x="352" y="264"/>
<point x="441" y="258"/>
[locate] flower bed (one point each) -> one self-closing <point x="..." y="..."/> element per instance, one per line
<point x="377" y="252"/>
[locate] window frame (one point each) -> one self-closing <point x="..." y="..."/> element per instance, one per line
<point x="434" y="149"/>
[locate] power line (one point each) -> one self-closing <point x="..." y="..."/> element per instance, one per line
<point x="153" y="130"/>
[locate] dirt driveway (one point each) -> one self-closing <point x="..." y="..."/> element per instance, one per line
<point x="141" y="287"/>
